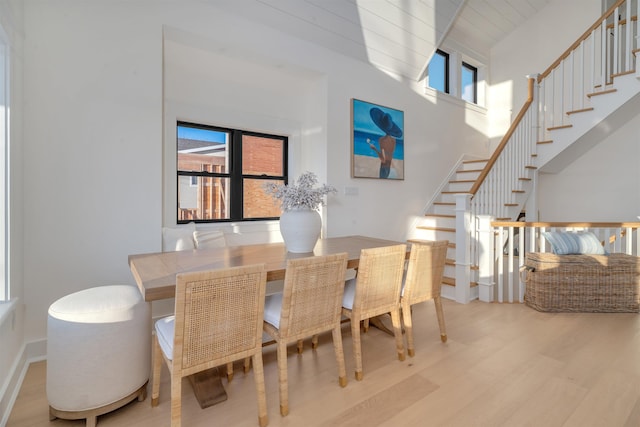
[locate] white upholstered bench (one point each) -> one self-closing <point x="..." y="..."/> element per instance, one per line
<point x="98" y="352"/>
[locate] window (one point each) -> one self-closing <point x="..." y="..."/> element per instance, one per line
<point x="221" y="173"/>
<point x="469" y="80"/>
<point x="4" y="156"/>
<point x="439" y="71"/>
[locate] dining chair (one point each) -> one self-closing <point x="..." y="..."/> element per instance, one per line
<point x="373" y="292"/>
<point x="309" y="304"/>
<point x="218" y="319"/>
<point x="422" y="283"/>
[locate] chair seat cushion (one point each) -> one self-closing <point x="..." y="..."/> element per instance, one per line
<point x="349" y="294"/>
<point x="164" y="330"/>
<point x="272" y="309"/>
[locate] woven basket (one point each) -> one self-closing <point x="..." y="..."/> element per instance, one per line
<point x="582" y="283"/>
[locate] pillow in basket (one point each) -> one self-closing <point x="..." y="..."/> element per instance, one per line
<point x="571" y="243"/>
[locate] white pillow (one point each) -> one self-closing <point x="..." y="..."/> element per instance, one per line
<point x="206" y="239"/>
<point x="178" y="238"/>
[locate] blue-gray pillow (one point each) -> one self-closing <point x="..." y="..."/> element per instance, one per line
<point x="571" y="243"/>
<point x="561" y="243"/>
<point x="589" y="244"/>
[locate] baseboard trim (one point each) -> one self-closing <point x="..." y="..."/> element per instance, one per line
<point x="34" y="351"/>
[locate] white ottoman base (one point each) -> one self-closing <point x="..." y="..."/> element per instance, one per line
<point x="98" y="351"/>
<point x="91" y="415"/>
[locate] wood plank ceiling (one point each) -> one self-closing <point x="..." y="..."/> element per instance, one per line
<point x="397" y="36"/>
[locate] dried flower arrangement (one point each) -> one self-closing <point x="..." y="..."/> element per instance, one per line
<point x="301" y="193"/>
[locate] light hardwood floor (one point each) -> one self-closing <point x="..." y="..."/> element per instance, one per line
<point x="503" y="365"/>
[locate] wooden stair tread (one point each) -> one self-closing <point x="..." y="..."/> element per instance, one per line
<point x="462" y="181"/>
<point x="511" y="204"/>
<point x="544" y="142"/>
<point x="623" y="73"/>
<point x="602" y="92"/>
<point x="582" y="110"/>
<point x="517" y="191"/>
<point x="475" y="161"/>
<point x="439" y="215"/>
<point x="524" y="179"/>
<point x="444" y="203"/>
<point x="470" y="170"/>
<point x="531" y="167"/>
<point x="428" y="227"/>
<point x="559" y="127"/>
<point x="450" y="281"/>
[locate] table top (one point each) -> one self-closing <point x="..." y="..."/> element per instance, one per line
<point x="155" y="273"/>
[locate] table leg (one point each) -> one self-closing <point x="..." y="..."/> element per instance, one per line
<point x="208" y="388"/>
<point x="377" y="322"/>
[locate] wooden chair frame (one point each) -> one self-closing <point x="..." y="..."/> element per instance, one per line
<point x="377" y="292"/>
<point x="423" y="283"/>
<point x="311" y="304"/>
<point x="218" y="319"/>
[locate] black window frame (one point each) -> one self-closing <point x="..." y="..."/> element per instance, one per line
<point x="235" y="175"/>
<point x="474" y="71"/>
<point x="446" y="70"/>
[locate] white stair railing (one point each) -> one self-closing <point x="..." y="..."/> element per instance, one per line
<point x="513" y="240"/>
<point x="606" y="50"/>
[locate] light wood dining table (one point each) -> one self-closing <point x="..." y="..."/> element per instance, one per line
<point x="155" y="275"/>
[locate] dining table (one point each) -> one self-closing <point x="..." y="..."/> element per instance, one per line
<point x="155" y="275"/>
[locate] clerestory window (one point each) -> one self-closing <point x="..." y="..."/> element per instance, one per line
<point x="438" y="73"/>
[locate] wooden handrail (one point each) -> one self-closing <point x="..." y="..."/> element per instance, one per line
<point x="580" y="40"/>
<point x="505" y="139"/>
<point x="519" y="224"/>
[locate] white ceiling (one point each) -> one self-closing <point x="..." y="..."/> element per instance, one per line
<point x="398" y="36"/>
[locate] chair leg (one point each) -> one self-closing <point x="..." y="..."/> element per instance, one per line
<point x="247" y="365"/>
<point x="365" y="326"/>
<point x="176" y="400"/>
<point x="229" y="372"/>
<point x="283" y="386"/>
<point x="337" y="346"/>
<point x="157" y="369"/>
<point x="357" y="348"/>
<point x="314" y="341"/>
<point x="300" y="346"/>
<point x="408" y="329"/>
<point x="443" y="332"/>
<point x="397" y="332"/>
<point x="258" y="373"/>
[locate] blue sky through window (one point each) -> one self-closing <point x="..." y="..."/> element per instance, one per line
<point x="437" y="72"/>
<point x="202" y="134"/>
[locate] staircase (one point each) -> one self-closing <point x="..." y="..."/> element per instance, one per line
<point x="439" y="222"/>
<point x="592" y="88"/>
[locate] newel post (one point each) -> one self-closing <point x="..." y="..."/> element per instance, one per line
<point x="485" y="246"/>
<point x="463" y="248"/>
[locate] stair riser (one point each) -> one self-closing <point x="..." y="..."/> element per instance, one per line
<point x="462" y="187"/>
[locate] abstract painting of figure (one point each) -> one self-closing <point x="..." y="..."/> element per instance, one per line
<point x="377" y="141"/>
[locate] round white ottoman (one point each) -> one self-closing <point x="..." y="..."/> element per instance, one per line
<point x="98" y="352"/>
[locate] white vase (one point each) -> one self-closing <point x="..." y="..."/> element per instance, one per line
<point x="300" y="229"/>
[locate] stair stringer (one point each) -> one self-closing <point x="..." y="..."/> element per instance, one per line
<point x="610" y="111"/>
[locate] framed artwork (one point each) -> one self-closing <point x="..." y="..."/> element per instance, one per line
<point x="377" y="141"/>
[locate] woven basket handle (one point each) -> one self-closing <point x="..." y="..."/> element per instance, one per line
<point x="524" y="270"/>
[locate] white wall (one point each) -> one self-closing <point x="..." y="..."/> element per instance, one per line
<point x="94" y="130"/>
<point x="602" y="185"/>
<point x="531" y="49"/>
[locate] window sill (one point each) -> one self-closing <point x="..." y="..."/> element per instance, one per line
<point x="6" y="308"/>
<point x="442" y="96"/>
